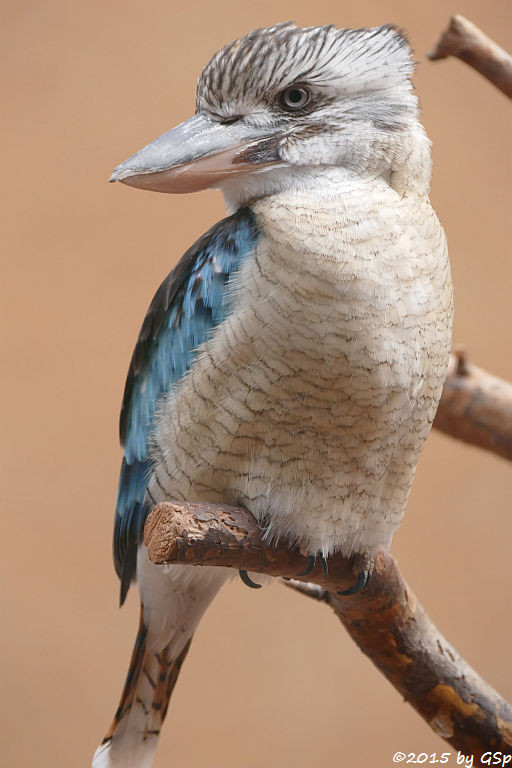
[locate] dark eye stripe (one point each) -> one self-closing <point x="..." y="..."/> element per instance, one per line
<point x="230" y="120"/>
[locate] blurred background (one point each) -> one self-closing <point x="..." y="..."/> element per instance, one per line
<point x="272" y="678"/>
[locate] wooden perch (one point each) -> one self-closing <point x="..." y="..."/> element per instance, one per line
<point x="385" y="619"/>
<point x="476" y="407"/>
<point x="465" y="41"/>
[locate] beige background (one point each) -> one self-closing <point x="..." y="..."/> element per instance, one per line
<point x="272" y="678"/>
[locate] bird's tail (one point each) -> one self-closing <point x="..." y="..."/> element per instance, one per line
<point x="132" y="738"/>
<point x="161" y="646"/>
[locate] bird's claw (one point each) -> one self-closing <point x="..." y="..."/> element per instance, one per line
<point x="312" y="562"/>
<point x="363" y="577"/>
<point x="310" y="565"/>
<point x="248" y="581"/>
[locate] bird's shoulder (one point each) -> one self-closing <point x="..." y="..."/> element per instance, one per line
<point x="189" y="301"/>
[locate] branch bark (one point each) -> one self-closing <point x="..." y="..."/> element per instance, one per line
<point x="385" y="619"/>
<point x="467" y="42"/>
<point x="476" y="407"/>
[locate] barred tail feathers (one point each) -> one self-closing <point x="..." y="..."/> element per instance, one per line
<point x="132" y="738"/>
<point x="173" y="604"/>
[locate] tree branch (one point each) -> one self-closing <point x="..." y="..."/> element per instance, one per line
<point x="385" y="619"/>
<point x="465" y="41"/>
<point x="476" y="407"/>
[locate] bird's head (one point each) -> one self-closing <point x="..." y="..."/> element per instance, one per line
<point x="283" y="100"/>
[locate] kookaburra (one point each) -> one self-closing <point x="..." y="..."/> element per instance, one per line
<point x="293" y="360"/>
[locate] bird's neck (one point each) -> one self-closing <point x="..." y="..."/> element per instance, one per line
<point x="332" y="227"/>
<point x="331" y="223"/>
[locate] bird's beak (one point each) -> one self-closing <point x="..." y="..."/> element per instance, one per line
<point x="198" y="154"/>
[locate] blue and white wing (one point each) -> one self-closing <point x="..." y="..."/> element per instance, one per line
<point x="190" y="302"/>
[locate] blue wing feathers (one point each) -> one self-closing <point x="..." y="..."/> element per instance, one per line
<point x="131" y="512"/>
<point x="190" y="302"/>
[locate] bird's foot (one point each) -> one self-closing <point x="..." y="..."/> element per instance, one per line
<point x="312" y="562"/>
<point x="363" y="577"/>
<point x="248" y="581"/>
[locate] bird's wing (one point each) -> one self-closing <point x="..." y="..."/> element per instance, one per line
<point x="189" y="303"/>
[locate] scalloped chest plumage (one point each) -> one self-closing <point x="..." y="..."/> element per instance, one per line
<point x="311" y="402"/>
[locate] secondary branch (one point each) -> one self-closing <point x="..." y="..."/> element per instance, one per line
<point x="465" y="41"/>
<point x="476" y="407"/>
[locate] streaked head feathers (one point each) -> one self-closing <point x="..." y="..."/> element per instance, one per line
<point x="255" y="68"/>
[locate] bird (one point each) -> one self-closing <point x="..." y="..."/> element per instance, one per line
<point x="292" y="362"/>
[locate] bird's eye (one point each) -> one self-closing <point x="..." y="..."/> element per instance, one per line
<point x="294" y="97"/>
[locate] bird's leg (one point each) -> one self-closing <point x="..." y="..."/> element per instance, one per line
<point x="243" y="574"/>
<point x="365" y="569"/>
